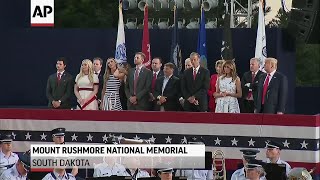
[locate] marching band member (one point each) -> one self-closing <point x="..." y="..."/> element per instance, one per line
<point x="7" y="157"/>
<point x="134" y="173"/>
<point x="248" y="154"/>
<point x="273" y="155"/>
<point x="255" y="171"/>
<point x="165" y="174"/>
<point x="58" y="138"/>
<point x="109" y="167"/>
<point x="59" y="173"/>
<point x="20" y="170"/>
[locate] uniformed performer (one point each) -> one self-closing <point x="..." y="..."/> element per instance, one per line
<point x="165" y="174"/>
<point x="20" y="170"/>
<point x="273" y="154"/>
<point x="59" y="173"/>
<point x="248" y="154"/>
<point x="196" y="174"/>
<point x="131" y="169"/>
<point x="255" y="171"/>
<point x="109" y="168"/>
<point x="58" y="135"/>
<point x="7" y="157"/>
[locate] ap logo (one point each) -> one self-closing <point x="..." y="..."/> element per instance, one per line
<point x="42" y="13"/>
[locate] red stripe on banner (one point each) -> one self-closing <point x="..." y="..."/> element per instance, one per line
<point x="170" y="117"/>
<point x="41" y="170"/>
<point x="42" y="25"/>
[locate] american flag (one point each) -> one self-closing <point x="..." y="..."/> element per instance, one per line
<point x="227" y="132"/>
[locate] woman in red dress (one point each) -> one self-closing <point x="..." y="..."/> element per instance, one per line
<point x="213" y="82"/>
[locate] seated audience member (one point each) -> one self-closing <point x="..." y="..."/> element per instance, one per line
<point x="213" y="84"/>
<point x="113" y="77"/>
<point x="86" y="87"/>
<point x="228" y="89"/>
<point x="195" y="85"/>
<point x="59" y="87"/>
<point x="7" y="157"/>
<point x="167" y="90"/>
<point x="249" y="83"/>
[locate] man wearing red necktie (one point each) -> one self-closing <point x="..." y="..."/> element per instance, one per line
<point x="195" y="85"/>
<point x="272" y="90"/>
<point x="60" y="87"/>
<point x="249" y="83"/>
<point x="156" y="73"/>
<point x="138" y="85"/>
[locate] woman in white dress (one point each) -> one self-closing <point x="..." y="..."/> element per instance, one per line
<point x="228" y="89"/>
<point x="86" y="87"/>
<point x="112" y="78"/>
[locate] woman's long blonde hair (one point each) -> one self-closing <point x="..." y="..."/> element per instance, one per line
<point x="90" y="66"/>
<point x="233" y="69"/>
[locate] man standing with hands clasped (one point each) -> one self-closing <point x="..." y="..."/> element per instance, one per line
<point x="195" y="85"/>
<point x="60" y="87"/>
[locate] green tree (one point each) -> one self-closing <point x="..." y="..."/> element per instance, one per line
<point x="307" y="55"/>
<point x="86" y="14"/>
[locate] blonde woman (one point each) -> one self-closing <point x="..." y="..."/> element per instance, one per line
<point x="228" y="89"/>
<point x="213" y="84"/>
<point x="112" y="78"/>
<point x="86" y="87"/>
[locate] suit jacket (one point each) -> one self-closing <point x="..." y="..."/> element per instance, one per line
<point x="160" y="74"/>
<point x="100" y="76"/>
<point x="198" y="87"/>
<point x="247" y="78"/>
<point x="61" y="90"/>
<point x="276" y="96"/>
<point x="171" y="91"/>
<point x="143" y="88"/>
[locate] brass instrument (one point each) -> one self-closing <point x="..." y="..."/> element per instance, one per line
<point x="219" y="165"/>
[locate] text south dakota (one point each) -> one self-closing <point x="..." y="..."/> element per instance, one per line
<point x="146" y="150"/>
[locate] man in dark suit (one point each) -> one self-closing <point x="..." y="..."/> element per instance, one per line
<point x="195" y="85"/>
<point x="249" y="83"/>
<point x="272" y="90"/>
<point x="138" y="85"/>
<point x="167" y="90"/>
<point x="97" y="66"/>
<point x="156" y="73"/>
<point x="60" y="87"/>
